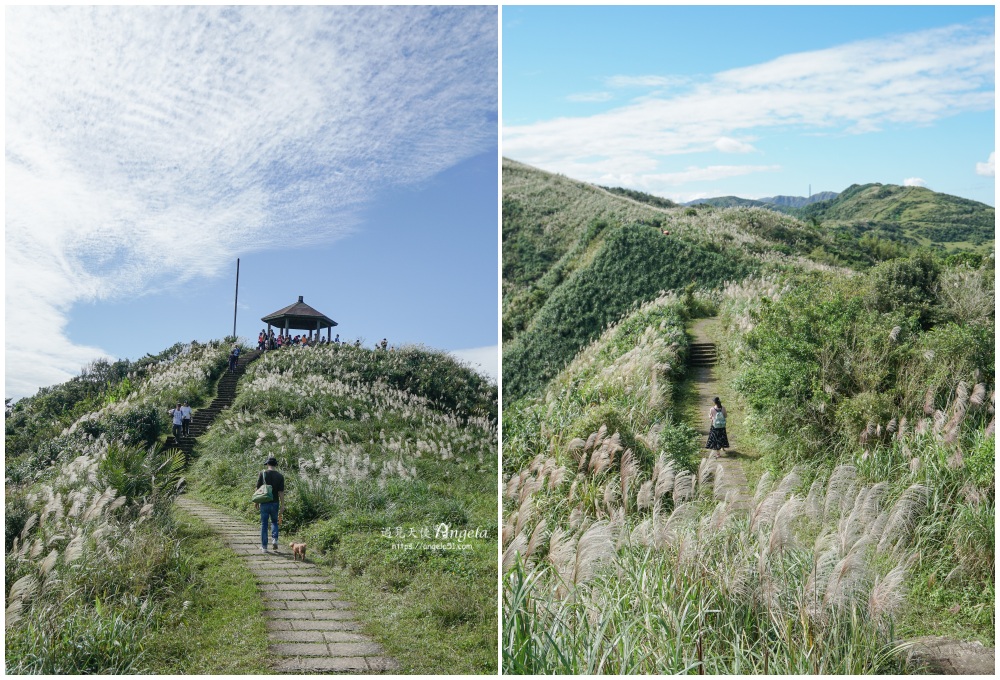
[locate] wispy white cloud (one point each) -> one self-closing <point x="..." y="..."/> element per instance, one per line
<point x="130" y="129"/>
<point x="645" y="81"/>
<point x="730" y="145"/>
<point x="485" y="360"/>
<point x="914" y="182"/>
<point x="987" y="169"/>
<point x="588" y="97"/>
<point x="908" y="79"/>
<point x="657" y="183"/>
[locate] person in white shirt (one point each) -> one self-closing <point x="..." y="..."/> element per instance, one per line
<point x="186" y="419"/>
<point x="178" y="416"/>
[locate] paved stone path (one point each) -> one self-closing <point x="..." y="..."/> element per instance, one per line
<point x="310" y="628"/>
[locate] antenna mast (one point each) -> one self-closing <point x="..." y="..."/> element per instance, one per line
<point x="237" y="299"/>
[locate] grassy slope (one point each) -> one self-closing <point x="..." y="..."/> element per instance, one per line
<point x="371" y="441"/>
<point x="651" y="594"/>
<point x="577" y="257"/>
<point x="80" y="486"/>
<point x="223" y="629"/>
<point x="574" y="404"/>
<point x="120" y="607"/>
<point x="913" y="214"/>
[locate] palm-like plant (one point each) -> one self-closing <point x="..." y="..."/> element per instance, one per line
<point x="152" y="474"/>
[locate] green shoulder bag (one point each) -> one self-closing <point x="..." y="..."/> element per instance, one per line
<point x="263" y="494"/>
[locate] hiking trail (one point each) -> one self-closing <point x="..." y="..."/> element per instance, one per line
<point x="730" y="478"/>
<point x="310" y="628"/>
<point x="203" y="418"/>
<point x="938" y="654"/>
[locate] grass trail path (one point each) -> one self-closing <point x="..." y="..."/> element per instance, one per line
<point x="310" y="628"/>
<point x="730" y="477"/>
<point x="939" y="655"/>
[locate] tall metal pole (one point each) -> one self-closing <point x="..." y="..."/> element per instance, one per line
<point x="236" y="301"/>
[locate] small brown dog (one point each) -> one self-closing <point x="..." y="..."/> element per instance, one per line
<point x="298" y="551"/>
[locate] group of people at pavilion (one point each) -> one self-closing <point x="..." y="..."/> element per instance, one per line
<point x="269" y="340"/>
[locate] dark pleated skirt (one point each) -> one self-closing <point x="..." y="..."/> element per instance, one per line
<point x="717" y="439"/>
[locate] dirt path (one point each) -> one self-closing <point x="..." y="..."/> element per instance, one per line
<point x="310" y="628"/>
<point x="938" y="655"/>
<point x="730" y="478"/>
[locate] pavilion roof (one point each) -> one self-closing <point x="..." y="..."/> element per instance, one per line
<point x="300" y="316"/>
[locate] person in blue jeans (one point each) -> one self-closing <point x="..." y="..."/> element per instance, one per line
<point x="270" y="512"/>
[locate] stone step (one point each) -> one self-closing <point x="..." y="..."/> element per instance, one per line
<point x="310" y="629"/>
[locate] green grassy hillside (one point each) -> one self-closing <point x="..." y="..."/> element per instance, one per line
<point x="862" y="402"/>
<point x="577" y="257"/>
<point x="371" y="442"/>
<point x="103" y="575"/>
<point x="910" y="215"/>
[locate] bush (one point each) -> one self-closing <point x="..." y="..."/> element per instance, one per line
<point x="148" y="474"/>
<point x="16" y="514"/>
<point x="908" y="285"/>
<point x="682" y="444"/>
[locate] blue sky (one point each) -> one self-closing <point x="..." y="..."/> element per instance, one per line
<point x="344" y="154"/>
<point x="691" y="102"/>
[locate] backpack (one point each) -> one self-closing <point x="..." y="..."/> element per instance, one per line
<point x="719" y="420"/>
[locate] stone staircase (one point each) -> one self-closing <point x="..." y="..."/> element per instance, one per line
<point x="202" y="419"/>
<point x="702" y="354"/>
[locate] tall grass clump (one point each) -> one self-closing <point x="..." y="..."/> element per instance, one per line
<point x="893" y="371"/>
<point x="807" y="581"/>
<point x="94" y="563"/>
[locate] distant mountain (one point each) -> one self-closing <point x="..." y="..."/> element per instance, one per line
<point x="782" y="203"/>
<point x="910" y="215"/>
<point x="729" y="202"/>
<point x="799" y="201"/>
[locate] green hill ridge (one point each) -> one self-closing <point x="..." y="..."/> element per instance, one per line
<point x="375" y="445"/>
<point x="858" y="371"/>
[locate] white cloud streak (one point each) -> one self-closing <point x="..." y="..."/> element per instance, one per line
<point x="987" y="169"/>
<point x="660" y="183"/>
<point x="914" y="182"/>
<point x="730" y="145"/>
<point x="645" y="81"/>
<point x="231" y="129"/>
<point x="909" y="79"/>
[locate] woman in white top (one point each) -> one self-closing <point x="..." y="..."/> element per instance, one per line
<point x="717" y="439"/>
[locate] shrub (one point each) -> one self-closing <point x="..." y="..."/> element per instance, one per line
<point x="16" y="514"/>
<point x="148" y="474"/>
<point x="909" y="285"/>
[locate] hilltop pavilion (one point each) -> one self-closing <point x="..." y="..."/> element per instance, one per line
<point x="302" y="317"/>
